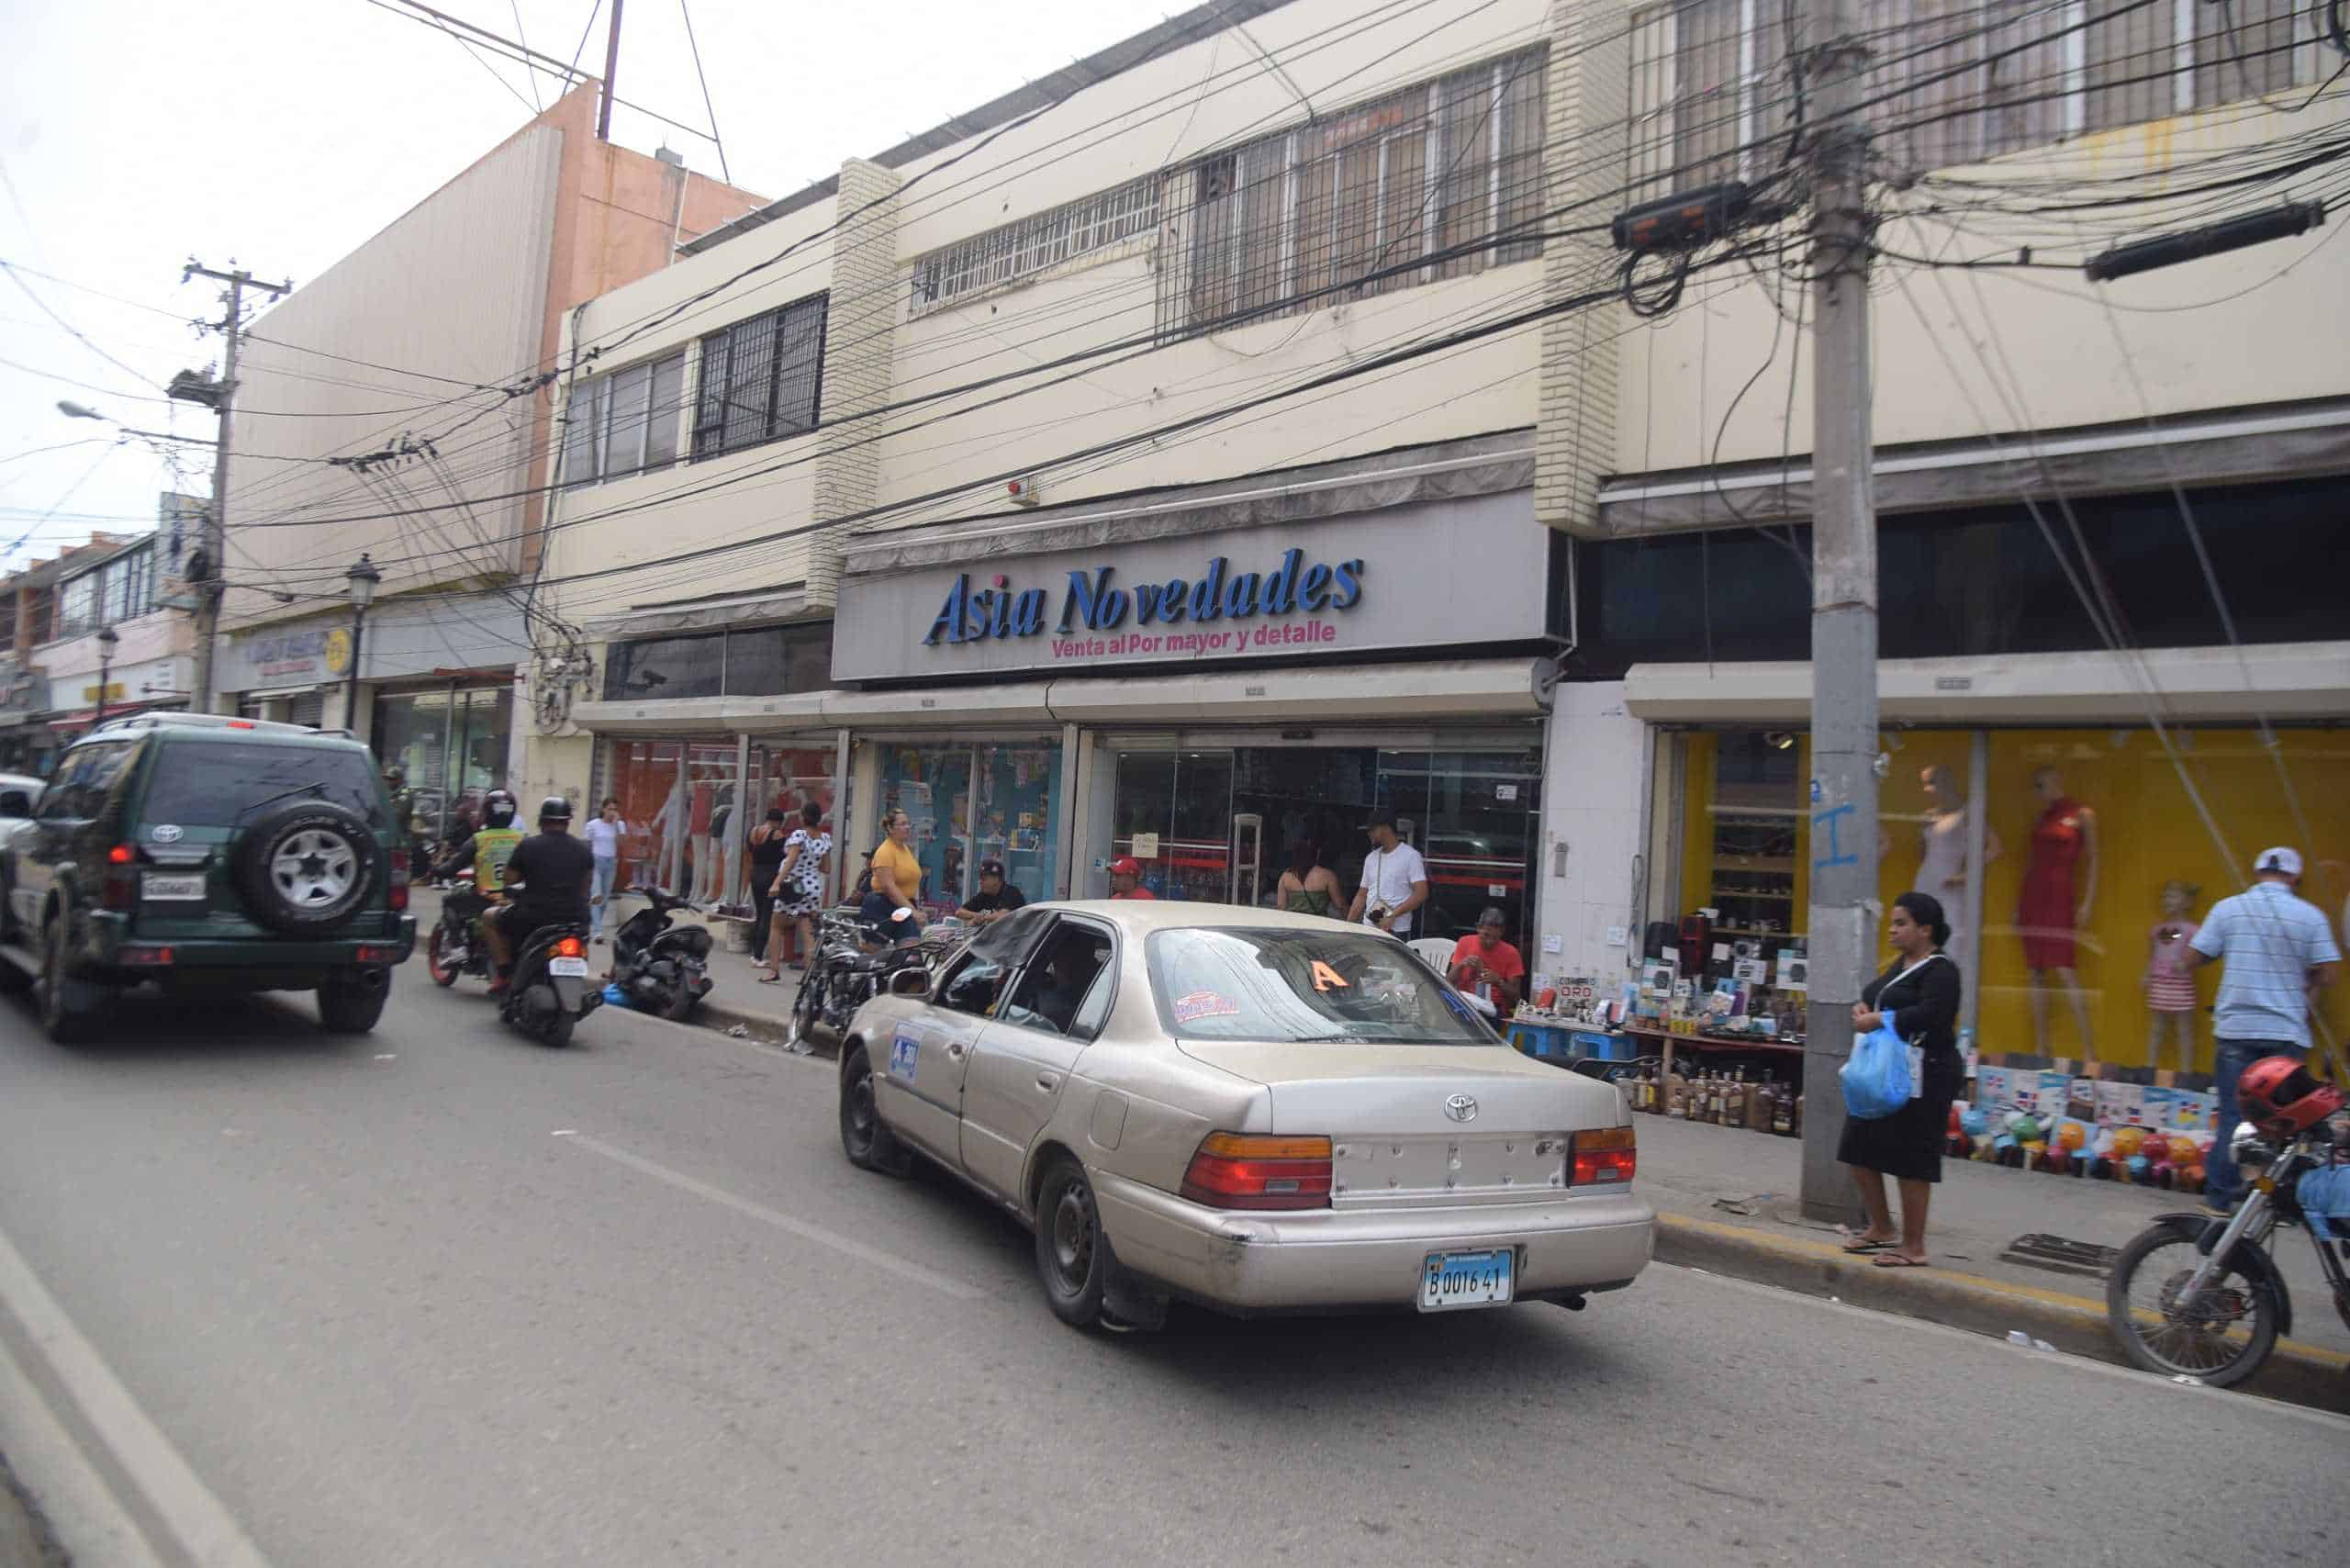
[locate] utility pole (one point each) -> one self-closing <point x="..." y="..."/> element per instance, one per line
<point x="612" y="65"/>
<point x="1842" y="793"/>
<point x="216" y="518"/>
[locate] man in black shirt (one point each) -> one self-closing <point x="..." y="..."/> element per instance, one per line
<point x="996" y="897"/>
<point x="547" y="883"/>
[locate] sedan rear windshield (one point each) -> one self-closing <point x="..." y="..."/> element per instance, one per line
<point x="230" y="783"/>
<point x="1302" y="987"/>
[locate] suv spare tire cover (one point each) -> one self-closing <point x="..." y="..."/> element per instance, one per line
<point x="307" y="867"/>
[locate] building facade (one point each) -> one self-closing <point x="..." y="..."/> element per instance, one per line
<point x="984" y="480"/>
<point x="399" y="406"/>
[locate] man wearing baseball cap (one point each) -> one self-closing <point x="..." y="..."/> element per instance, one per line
<point x="995" y="898"/>
<point x="2280" y="954"/>
<point x="1125" y="879"/>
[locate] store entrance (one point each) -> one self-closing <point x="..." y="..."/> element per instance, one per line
<point x="1221" y="825"/>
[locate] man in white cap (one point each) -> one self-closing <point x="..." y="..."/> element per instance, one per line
<point x="2280" y="954"/>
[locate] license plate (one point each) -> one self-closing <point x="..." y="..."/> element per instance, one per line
<point x="1449" y="1281"/>
<point x="182" y="887"/>
<point x="574" y="968"/>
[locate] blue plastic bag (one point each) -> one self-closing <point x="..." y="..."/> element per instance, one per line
<point x="1876" y="1077"/>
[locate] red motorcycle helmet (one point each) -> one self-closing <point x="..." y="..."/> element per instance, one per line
<point x="2282" y="1100"/>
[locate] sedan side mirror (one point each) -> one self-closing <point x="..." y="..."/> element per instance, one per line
<point x="909" y="983"/>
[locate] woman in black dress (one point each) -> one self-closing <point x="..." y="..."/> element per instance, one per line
<point x="767" y="842"/>
<point x="1918" y="996"/>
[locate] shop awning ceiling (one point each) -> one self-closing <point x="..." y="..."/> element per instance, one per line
<point x="1484" y="688"/>
<point x="2283" y="681"/>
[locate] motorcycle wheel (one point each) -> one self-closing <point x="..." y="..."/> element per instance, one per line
<point x="2220" y="1339"/>
<point x="443" y="973"/>
<point x="802" y="1036"/>
<point x="556" y="1031"/>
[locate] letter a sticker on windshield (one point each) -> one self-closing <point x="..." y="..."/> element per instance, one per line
<point x="1327" y="979"/>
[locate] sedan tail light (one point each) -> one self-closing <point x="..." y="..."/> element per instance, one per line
<point x="1603" y="1158"/>
<point x="1246" y="1170"/>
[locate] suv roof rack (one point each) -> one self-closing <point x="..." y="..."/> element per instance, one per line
<point x="130" y="722"/>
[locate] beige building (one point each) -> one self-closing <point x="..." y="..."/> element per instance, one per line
<point x="907" y="490"/>
<point x="399" y="406"/>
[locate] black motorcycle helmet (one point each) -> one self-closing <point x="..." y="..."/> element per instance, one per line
<point x="555" y="809"/>
<point x="498" y="809"/>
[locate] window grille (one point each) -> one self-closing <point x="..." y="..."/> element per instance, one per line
<point x="1035" y="244"/>
<point x="762" y="379"/>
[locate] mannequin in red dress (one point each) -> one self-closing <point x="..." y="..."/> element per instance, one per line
<point x="2059" y="887"/>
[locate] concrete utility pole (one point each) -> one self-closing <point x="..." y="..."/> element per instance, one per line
<point x="216" y="518"/>
<point x="612" y="66"/>
<point x="1844" y="786"/>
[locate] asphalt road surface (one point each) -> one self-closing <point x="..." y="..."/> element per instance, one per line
<point x="444" y="1297"/>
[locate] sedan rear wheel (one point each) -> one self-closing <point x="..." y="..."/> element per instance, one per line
<point x="1069" y="1249"/>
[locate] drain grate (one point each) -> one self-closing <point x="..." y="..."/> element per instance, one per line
<point x="2059" y="1255"/>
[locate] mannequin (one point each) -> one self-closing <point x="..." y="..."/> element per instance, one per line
<point x="1941" y="871"/>
<point x="2059" y="889"/>
<point x="2170" y="984"/>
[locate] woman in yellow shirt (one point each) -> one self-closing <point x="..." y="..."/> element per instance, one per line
<point x="897" y="875"/>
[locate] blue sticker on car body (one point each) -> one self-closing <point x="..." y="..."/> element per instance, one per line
<point x="904" y="1052"/>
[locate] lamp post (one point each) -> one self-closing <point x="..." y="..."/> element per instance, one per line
<point x="364" y="575"/>
<point x="106" y="641"/>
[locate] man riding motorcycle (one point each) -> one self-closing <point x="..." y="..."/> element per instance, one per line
<point x="546" y="881"/>
<point x="490" y="846"/>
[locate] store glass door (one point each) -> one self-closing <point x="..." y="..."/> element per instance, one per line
<point x="1473" y="815"/>
<point x="972" y="801"/>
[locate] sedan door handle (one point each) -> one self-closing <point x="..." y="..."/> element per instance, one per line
<point x="1048" y="1082"/>
<point x="955" y="1049"/>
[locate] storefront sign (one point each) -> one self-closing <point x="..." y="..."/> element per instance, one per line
<point x="407" y="638"/>
<point x="1432" y="574"/>
<point x="295" y="653"/>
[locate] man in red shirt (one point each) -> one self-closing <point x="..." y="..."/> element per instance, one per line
<point x="1125" y="879"/>
<point x="1484" y="965"/>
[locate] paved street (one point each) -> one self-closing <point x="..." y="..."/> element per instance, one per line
<point x="444" y="1297"/>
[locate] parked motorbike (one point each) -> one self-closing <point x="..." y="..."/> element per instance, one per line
<point x="2199" y="1297"/>
<point x="854" y="961"/>
<point x="665" y="967"/>
<point x="455" y="947"/>
<point x="551" y="991"/>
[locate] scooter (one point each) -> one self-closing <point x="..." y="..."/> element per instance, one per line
<point x="455" y="947"/>
<point x="663" y="966"/>
<point x="550" y="992"/>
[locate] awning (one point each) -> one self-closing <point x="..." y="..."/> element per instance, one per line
<point x="1466" y="688"/>
<point x="2280" y="680"/>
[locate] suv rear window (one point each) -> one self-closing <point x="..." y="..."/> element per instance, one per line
<point x="226" y="783"/>
<point x="1302" y="987"/>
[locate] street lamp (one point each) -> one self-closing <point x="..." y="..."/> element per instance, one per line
<point x="106" y="641"/>
<point x="73" y="410"/>
<point x="364" y="575"/>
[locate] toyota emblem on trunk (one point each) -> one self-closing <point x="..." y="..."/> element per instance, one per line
<point x="1461" y="1108"/>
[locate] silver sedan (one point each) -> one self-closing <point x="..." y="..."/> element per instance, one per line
<point x="1253" y="1111"/>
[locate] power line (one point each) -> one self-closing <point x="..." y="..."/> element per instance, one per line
<point x="725" y="174"/>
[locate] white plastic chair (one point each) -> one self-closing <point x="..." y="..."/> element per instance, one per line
<point x="1434" y="951"/>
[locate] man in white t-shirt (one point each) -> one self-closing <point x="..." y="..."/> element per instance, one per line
<point x="1394" y="879"/>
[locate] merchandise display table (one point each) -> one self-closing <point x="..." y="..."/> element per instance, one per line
<point x="1666" y="1043"/>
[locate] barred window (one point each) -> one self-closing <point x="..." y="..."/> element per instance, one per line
<point x="762" y="379"/>
<point x="624" y="422"/>
<point x="1037" y="244"/>
<point x="1954" y="81"/>
<point x="1436" y="181"/>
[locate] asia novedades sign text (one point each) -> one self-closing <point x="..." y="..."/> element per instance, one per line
<point x="1094" y="602"/>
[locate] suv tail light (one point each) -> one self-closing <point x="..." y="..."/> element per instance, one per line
<point x="119" y="891"/>
<point x="400" y="886"/>
<point x="1243" y="1170"/>
<point x="1603" y="1158"/>
<point x="570" y="947"/>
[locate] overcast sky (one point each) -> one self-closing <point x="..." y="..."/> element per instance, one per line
<point x="134" y="133"/>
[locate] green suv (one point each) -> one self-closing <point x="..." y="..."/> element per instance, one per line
<point x="206" y="856"/>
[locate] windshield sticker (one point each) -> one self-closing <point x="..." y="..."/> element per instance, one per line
<point x="1203" y="1004"/>
<point x="904" y="1051"/>
<point x="1327" y="979"/>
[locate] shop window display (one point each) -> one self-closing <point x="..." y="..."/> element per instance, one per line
<point x="974" y="803"/>
<point x="2094" y="868"/>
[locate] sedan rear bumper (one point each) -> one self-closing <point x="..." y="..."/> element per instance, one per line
<point x="1339" y="1259"/>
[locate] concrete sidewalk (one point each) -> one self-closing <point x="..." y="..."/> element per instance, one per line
<point x="1726" y="1201"/>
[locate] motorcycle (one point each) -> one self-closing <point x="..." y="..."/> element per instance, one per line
<point x="551" y="991"/>
<point x="455" y="947"/>
<point x="664" y="967"/>
<point x="2193" y="1296"/>
<point x="855" y="959"/>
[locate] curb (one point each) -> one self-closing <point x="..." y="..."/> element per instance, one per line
<point x="2298" y="1374"/>
<point x="764" y="1027"/>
